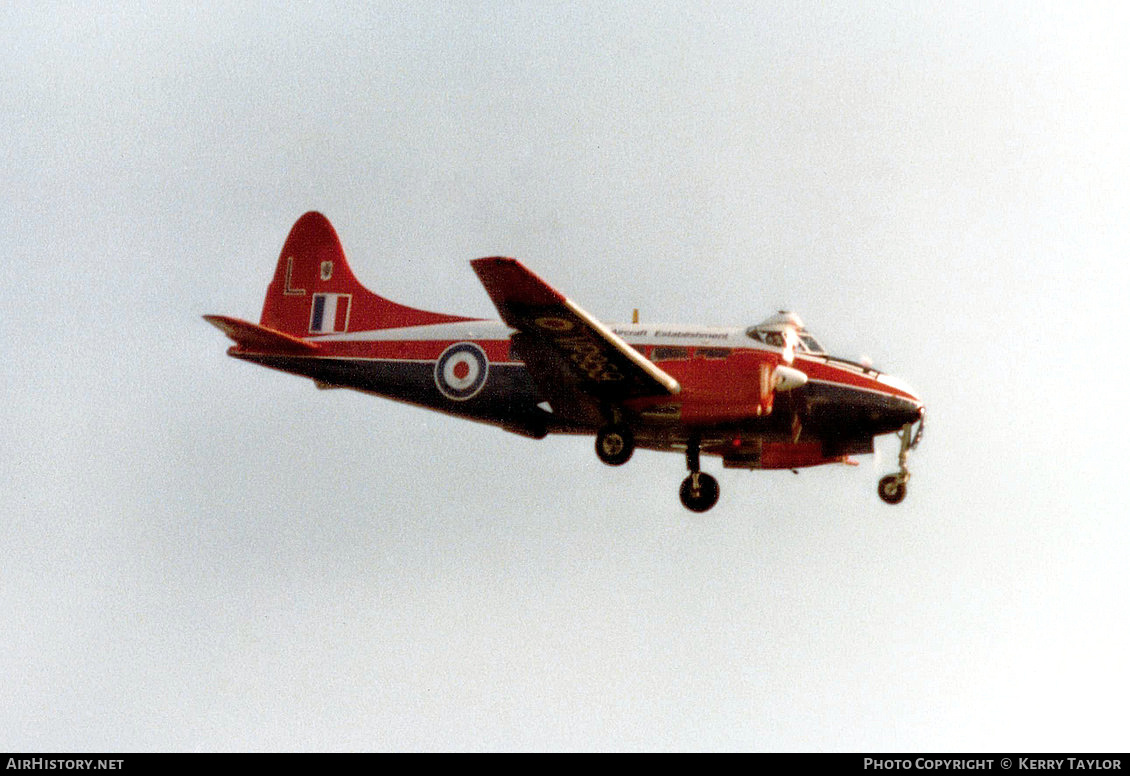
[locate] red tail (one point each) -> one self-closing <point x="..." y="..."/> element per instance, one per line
<point x="315" y="292"/>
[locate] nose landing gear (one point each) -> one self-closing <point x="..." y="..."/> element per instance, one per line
<point x="892" y="488"/>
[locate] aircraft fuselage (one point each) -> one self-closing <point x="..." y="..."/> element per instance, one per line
<point x="840" y="408"/>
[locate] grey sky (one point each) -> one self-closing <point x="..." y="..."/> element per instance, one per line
<point x="200" y="554"/>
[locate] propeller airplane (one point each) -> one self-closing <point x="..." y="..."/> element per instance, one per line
<point x="760" y="397"/>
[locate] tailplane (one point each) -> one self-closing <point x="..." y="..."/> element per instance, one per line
<point x="314" y="291"/>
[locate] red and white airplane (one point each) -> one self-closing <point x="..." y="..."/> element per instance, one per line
<point x="759" y="397"/>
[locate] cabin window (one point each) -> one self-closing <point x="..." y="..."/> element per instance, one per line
<point x="669" y="353"/>
<point x="716" y="353"/>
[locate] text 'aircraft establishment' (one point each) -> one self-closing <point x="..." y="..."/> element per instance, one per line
<point x="758" y="397"/>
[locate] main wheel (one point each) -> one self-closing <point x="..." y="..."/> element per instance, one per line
<point x="699" y="492"/>
<point x="615" y="445"/>
<point x="892" y="489"/>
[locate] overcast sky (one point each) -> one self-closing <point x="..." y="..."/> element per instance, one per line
<point x="200" y="554"/>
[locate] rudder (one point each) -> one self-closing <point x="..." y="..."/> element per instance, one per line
<point x="314" y="291"/>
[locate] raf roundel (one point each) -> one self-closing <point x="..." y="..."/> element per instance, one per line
<point x="461" y="371"/>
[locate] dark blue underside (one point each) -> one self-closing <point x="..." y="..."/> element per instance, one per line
<point x="508" y="398"/>
<point x="836" y="414"/>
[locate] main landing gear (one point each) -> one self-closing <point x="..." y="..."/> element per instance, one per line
<point x="615" y="444"/>
<point x="699" y="491"/>
<point x="892" y="488"/>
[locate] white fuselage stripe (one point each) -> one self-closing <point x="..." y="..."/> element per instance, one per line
<point x="636" y="335"/>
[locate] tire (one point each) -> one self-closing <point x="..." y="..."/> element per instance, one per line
<point x="615" y="445"/>
<point x="892" y="489"/>
<point x="702" y="497"/>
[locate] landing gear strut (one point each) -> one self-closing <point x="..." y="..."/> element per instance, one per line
<point x="892" y="488"/>
<point x="699" y="491"/>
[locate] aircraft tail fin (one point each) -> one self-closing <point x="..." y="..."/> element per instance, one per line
<point x="315" y="292"/>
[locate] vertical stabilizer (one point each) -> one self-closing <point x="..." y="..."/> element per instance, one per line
<point x="315" y="292"/>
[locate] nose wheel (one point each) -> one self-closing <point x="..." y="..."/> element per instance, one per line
<point x="892" y="488"/>
<point x="699" y="491"/>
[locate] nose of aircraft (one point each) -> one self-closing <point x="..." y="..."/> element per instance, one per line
<point x="913" y="411"/>
<point x="908" y="407"/>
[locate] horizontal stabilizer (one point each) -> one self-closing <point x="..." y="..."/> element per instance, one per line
<point x="256" y="338"/>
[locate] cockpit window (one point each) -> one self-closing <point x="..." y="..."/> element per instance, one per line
<point x="773" y="332"/>
<point x="810" y="344"/>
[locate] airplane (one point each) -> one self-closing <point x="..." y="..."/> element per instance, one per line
<point x="765" y="396"/>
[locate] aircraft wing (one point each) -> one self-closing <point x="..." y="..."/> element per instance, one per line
<point x="561" y="342"/>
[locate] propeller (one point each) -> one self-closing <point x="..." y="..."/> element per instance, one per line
<point x="788" y="353"/>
